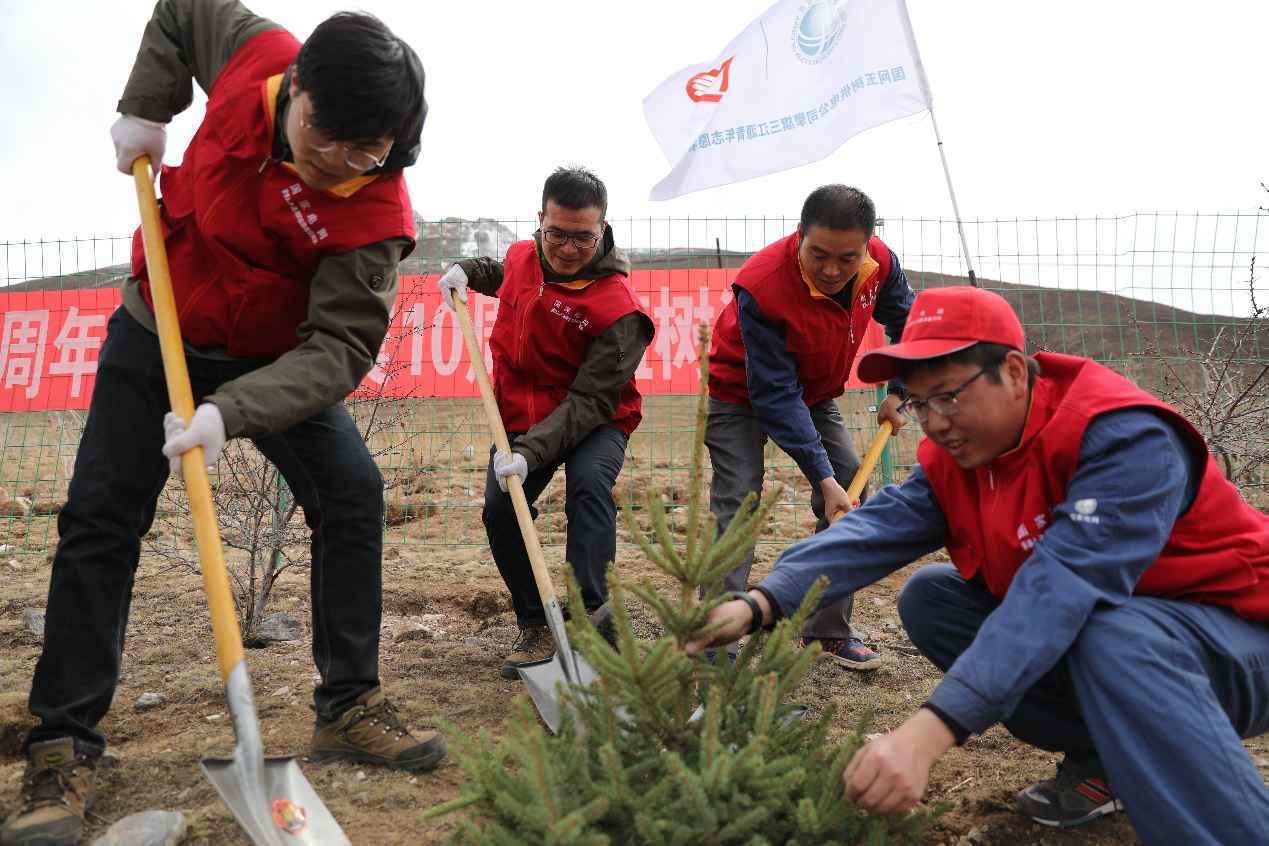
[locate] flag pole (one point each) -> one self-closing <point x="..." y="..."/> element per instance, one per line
<point x="956" y="211"/>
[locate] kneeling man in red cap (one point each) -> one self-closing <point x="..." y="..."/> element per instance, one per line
<point x="1107" y="596"/>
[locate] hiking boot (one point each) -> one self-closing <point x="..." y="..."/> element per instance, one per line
<point x="1077" y="795"/>
<point x="534" y="645"/>
<point x="850" y="653"/>
<point x="371" y="732"/>
<point x="57" y="790"/>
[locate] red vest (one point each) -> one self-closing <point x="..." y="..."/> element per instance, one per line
<point x="822" y="335"/>
<point x="244" y="234"/>
<point x="541" y="336"/>
<point x="1218" y="552"/>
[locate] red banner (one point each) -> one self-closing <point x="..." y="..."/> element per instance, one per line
<point x="51" y="340"/>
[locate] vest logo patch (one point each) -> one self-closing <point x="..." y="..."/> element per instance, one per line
<point x="1086" y="511"/>
<point x="575" y="316"/>
<point x="1027" y="540"/>
<point x="303" y="213"/>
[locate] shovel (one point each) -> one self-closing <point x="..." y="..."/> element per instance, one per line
<point x="565" y="666"/>
<point x="270" y="797"/>
<point x="865" y="467"/>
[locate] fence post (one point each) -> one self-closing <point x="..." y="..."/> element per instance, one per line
<point x="887" y="460"/>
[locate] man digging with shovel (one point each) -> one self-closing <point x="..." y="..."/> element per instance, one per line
<point x="569" y="335"/>
<point x="284" y="226"/>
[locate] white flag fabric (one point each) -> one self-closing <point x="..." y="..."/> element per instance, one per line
<point x="790" y="89"/>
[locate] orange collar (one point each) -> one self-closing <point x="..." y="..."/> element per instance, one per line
<point x="345" y="189"/>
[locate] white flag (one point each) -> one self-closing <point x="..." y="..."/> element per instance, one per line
<point x="790" y="89"/>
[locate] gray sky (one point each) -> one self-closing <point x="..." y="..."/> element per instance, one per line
<point x="1046" y="108"/>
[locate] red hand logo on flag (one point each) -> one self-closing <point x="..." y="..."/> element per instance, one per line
<point x="710" y="86"/>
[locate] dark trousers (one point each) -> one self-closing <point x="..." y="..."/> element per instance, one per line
<point x="119" y="473"/>
<point x="736" y="439"/>
<point x="1161" y="690"/>
<point x="590" y="472"/>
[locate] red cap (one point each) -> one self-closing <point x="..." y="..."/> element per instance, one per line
<point x="944" y="321"/>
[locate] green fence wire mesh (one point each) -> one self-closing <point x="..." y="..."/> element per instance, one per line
<point x="1165" y="298"/>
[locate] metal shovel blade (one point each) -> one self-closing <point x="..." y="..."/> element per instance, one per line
<point x="285" y="810"/>
<point x="270" y="797"/>
<point x="543" y="679"/>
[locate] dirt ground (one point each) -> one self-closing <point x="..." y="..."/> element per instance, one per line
<point x="456" y="592"/>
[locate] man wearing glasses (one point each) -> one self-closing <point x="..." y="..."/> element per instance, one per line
<point x="1107" y="596"/>
<point x="284" y="224"/>
<point x="569" y="336"/>
<point x="782" y="352"/>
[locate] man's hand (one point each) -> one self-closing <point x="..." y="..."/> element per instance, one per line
<point x="512" y="464"/>
<point x="889" y="410"/>
<point x="889" y="775"/>
<point x="735" y="617"/>
<point x="135" y="137"/>
<point x="206" y="430"/>
<point x="835" y="502"/>
<point x="453" y="286"/>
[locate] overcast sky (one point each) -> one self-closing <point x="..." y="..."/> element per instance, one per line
<point x="1047" y="108"/>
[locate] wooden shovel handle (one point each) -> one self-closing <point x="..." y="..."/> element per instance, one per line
<point x="206" y="529"/>
<point x="546" y="591"/>
<point x="866" y="466"/>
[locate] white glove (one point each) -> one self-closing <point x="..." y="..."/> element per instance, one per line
<point x="453" y="284"/>
<point x="135" y="137"/>
<point x="509" y="465"/>
<point x="206" y="430"/>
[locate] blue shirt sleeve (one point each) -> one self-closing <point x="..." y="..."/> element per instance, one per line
<point x="1135" y="477"/>
<point x="896" y="526"/>
<point x="894" y="301"/>
<point x="775" y="392"/>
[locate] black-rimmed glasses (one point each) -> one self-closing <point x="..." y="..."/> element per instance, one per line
<point x="944" y="403"/>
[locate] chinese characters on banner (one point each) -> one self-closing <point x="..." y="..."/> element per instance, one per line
<point x="51" y="340"/>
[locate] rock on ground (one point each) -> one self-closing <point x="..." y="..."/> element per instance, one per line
<point x="151" y="828"/>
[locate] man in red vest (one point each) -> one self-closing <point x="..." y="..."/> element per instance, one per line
<point x="569" y="336"/>
<point x="284" y="225"/>
<point x="782" y="352"/>
<point x="1108" y="594"/>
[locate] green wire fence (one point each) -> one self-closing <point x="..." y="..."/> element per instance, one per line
<point x="1165" y="298"/>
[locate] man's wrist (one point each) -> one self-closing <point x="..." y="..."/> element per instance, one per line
<point x="767" y="604"/>
<point x="933" y="736"/>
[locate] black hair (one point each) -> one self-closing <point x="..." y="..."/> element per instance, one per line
<point x="365" y="83"/>
<point x="989" y="357"/>
<point x="575" y="188"/>
<point x="839" y="207"/>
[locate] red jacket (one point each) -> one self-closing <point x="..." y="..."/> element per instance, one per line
<point x="541" y="336"/>
<point x="1218" y="551"/>
<point x="822" y="335"/>
<point x="244" y="235"/>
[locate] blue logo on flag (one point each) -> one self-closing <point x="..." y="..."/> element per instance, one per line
<point x="817" y="29"/>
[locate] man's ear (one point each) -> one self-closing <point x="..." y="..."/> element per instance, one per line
<point x="1015" y="365"/>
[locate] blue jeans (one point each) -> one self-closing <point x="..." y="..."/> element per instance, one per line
<point x="1161" y="690"/>
<point x="119" y="473"/>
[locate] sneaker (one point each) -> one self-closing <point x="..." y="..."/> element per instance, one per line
<point x="850" y="653"/>
<point x="371" y="732"/>
<point x="1076" y="796"/>
<point x="534" y="645"/>
<point x="601" y="619"/>
<point x="57" y="791"/>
